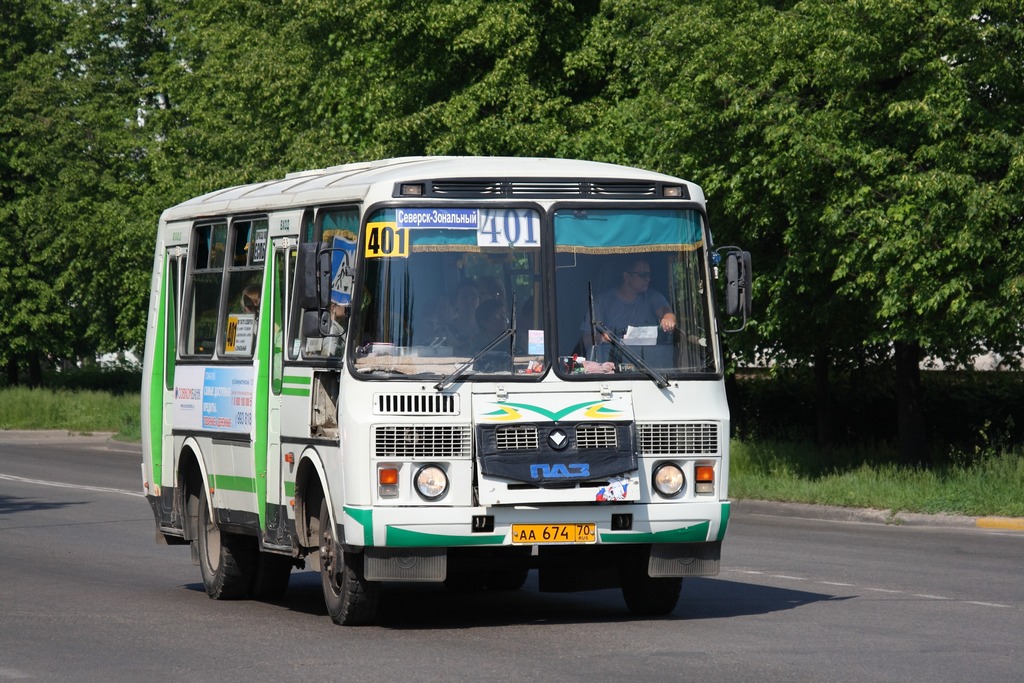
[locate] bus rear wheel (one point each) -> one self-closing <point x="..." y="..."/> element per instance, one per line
<point x="226" y="560"/>
<point x="351" y="599"/>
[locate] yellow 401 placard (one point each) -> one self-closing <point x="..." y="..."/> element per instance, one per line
<point x="386" y="239"/>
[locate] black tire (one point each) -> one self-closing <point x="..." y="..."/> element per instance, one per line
<point x="270" y="580"/>
<point x="227" y="561"/>
<point x="351" y="599"/>
<point x="646" y="596"/>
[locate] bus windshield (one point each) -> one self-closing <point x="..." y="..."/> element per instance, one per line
<point x="632" y="292"/>
<point x="441" y="285"/>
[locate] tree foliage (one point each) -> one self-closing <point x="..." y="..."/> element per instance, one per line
<point x="869" y="153"/>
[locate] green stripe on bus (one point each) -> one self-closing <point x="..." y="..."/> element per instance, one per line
<point x="289" y="489"/>
<point x="365" y="518"/>
<point x="294" y="392"/>
<point x="405" y="538"/>
<point x="156" y="383"/>
<point x="690" y="534"/>
<point x="297" y="379"/>
<point x="230" y="482"/>
<point x="261" y="405"/>
<point x="726" y="507"/>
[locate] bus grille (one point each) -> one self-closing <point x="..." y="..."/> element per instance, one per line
<point x="421" y="441"/>
<point x="516" y="438"/>
<point x="415" y="404"/>
<point x="553" y="188"/>
<point x="525" y="437"/>
<point x="596" y="436"/>
<point x="680" y="437"/>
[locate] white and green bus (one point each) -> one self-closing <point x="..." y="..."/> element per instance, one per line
<point x="442" y="369"/>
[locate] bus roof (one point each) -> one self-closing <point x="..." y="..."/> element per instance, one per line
<point x="357" y="181"/>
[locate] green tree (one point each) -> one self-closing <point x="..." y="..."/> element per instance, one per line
<point x="868" y="151"/>
<point x="234" y="94"/>
<point x="441" y="77"/>
<point x="74" y="154"/>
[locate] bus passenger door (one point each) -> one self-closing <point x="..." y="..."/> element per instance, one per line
<point x="163" y="454"/>
<point x="277" y="532"/>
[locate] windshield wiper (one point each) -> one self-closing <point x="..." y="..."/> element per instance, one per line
<point x="656" y="376"/>
<point x="510" y="331"/>
<point x="597" y="326"/>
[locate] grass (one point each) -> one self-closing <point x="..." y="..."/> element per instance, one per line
<point x="987" y="482"/>
<point x="74" y="411"/>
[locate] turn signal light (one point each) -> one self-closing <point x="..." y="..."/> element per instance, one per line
<point x="387" y="482"/>
<point x="705" y="478"/>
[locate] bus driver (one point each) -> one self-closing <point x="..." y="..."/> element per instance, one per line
<point x="632" y="304"/>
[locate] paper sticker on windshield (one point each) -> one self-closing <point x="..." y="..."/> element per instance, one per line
<point x="438" y="218"/>
<point x="509" y="228"/>
<point x="259" y="247"/>
<point x="240" y="333"/>
<point x="386" y="239"/>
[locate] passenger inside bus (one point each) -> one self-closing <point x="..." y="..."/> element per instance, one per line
<point x="467" y="298"/>
<point x="435" y="323"/>
<point x="251" y="299"/>
<point x="491" y="321"/>
<point x="490" y="288"/>
<point x="334" y="344"/>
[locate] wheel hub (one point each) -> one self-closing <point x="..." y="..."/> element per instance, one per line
<point x="327" y="559"/>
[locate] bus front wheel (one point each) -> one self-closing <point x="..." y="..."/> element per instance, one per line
<point x="644" y="595"/>
<point x="351" y="599"/>
<point x="225" y="560"/>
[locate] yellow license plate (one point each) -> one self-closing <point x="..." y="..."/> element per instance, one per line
<point x="554" y="533"/>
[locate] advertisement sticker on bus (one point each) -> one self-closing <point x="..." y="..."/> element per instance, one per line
<point x="214" y="399"/>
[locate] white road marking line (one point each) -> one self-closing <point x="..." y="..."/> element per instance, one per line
<point x="63" y="485"/>
<point x="888" y="591"/>
<point x="987" y="604"/>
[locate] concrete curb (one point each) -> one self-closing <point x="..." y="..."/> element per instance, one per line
<point x="30" y="436"/>
<point x="868" y="515"/>
<point x="1004" y="523"/>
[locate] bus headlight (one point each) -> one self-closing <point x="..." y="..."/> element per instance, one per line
<point x="431" y="482"/>
<point x="669" y="479"/>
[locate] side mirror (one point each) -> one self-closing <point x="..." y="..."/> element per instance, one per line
<point x="738" y="285"/>
<point x="313" y="323"/>
<point x="306" y="285"/>
<point x="323" y="279"/>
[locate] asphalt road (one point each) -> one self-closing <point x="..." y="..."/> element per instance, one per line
<point x="87" y="595"/>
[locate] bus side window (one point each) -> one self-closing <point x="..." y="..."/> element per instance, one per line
<point x="205" y="278"/>
<point x="245" y="286"/>
<point x="318" y="333"/>
<point x="283" y="261"/>
<point x="173" y="285"/>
